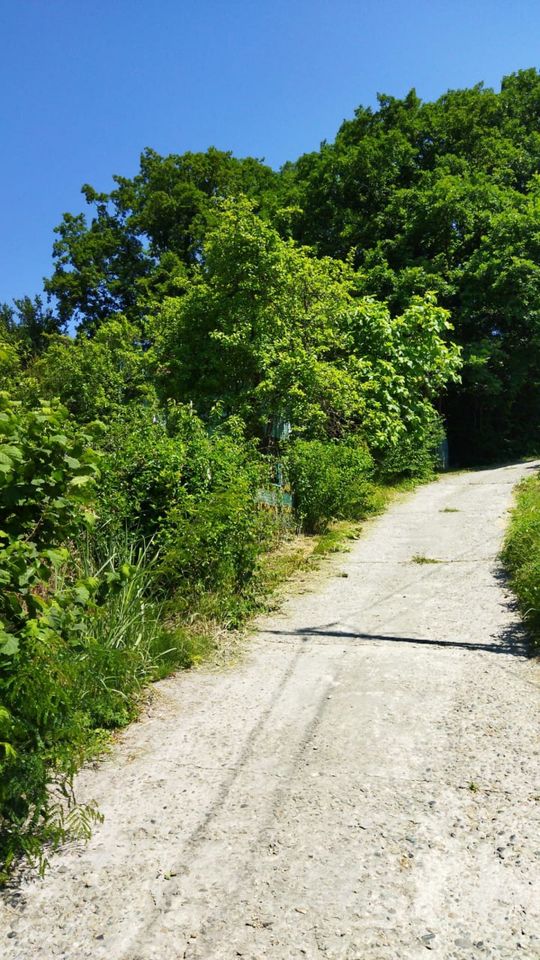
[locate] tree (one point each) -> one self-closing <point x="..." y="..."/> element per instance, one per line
<point x="27" y="326"/>
<point x="268" y="331"/>
<point x="143" y="234"/>
<point x="417" y="194"/>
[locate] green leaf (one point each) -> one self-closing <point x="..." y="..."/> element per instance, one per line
<point x="80" y="481"/>
<point x="10" y="646"/>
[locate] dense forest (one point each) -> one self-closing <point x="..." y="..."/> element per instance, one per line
<point x="214" y="337"/>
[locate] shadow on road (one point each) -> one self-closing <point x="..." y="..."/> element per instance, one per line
<point x="512" y="640"/>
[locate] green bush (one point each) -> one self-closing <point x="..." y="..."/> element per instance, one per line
<point x="78" y="635"/>
<point x="46" y="479"/>
<point x="213" y="544"/>
<point x="167" y="476"/>
<point x="330" y="480"/>
<point x="415" y="454"/>
<point x="521" y="554"/>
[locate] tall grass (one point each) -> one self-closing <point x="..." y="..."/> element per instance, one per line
<point x="68" y="692"/>
<point x="127" y="643"/>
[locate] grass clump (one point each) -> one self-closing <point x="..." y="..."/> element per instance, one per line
<point x="420" y="558"/>
<point x="521" y="555"/>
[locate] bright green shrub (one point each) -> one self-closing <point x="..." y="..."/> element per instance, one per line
<point x="167" y="476"/>
<point x="141" y="474"/>
<point x="329" y="481"/>
<point x="213" y="536"/>
<point x="46" y="479"/>
<point x="521" y="554"/>
<point x="80" y="628"/>
<point x="213" y="543"/>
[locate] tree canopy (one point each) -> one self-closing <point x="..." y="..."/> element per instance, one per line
<point x="413" y="197"/>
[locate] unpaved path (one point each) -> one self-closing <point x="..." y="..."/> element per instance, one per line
<point x="363" y="786"/>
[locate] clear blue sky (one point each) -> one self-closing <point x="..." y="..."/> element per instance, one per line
<point x="85" y="85"/>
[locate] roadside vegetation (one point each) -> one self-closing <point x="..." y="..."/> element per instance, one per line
<point x="521" y="555"/>
<point x="224" y="356"/>
<point x="147" y="485"/>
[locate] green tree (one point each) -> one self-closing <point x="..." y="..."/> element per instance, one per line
<point x="268" y="331"/>
<point x="417" y="193"/>
<point x="143" y="234"/>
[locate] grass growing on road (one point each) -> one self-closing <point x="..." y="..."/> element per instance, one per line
<point x="521" y="555"/>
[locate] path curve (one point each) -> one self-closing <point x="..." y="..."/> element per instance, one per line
<point x="363" y="786"/>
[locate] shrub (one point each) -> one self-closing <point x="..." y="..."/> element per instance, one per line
<point x="415" y="454"/>
<point x="330" y="480"/>
<point x="46" y="478"/>
<point x="78" y="634"/>
<point x="165" y="475"/>
<point x="521" y="554"/>
<point x="141" y="475"/>
<point x="213" y="543"/>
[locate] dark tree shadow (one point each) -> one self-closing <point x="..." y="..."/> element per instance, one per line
<point x="512" y="640"/>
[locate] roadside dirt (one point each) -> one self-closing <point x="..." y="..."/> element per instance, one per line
<point x="364" y="785"/>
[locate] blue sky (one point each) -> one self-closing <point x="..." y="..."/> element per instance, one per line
<point x="85" y="85"/>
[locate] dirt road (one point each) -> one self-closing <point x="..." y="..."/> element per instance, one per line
<point x="363" y="786"/>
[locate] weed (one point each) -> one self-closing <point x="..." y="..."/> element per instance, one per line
<point x="419" y="558"/>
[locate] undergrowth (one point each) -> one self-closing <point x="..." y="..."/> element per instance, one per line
<point x="521" y="555"/>
<point x="123" y="563"/>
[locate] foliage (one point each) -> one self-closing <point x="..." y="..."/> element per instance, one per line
<point x="45" y="480"/>
<point x="10" y="362"/>
<point x="28" y="325"/>
<point x="166" y="476"/>
<point x="330" y="481"/>
<point x="415" y="454"/>
<point x="442" y="196"/>
<point x="143" y="234"/>
<point x="521" y="554"/>
<point x="269" y="332"/>
<point x="77" y="637"/>
<point x="95" y="378"/>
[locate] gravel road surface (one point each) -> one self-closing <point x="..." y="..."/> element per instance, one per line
<point x="364" y="785"/>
